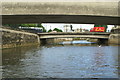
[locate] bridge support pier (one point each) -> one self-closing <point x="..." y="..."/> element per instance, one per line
<point x="114" y="37"/>
<point x="99" y="41"/>
<point x="102" y="41"/>
<point x="43" y="41"/>
<point x="46" y="41"/>
<point x="92" y="40"/>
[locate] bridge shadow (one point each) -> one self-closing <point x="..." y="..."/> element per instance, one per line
<point x="51" y="42"/>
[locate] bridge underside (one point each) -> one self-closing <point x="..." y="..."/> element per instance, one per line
<point x="81" y="19"/>
<point x="61" y="12"/>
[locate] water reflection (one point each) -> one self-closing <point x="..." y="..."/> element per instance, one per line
<point x="61" y="61"/>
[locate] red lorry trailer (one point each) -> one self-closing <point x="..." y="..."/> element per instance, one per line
<point x="98" y="29"/>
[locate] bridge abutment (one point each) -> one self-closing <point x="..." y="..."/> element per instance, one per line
<point x="43" y="41"/>
<point x="114" y="39"/>
<point x="102" y="41"/>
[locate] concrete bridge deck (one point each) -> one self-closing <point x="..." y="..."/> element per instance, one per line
<point x="60" y="12"/>
<point x="74" y="35"/>
<point x="61" y="8"/>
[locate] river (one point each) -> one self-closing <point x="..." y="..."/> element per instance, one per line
<point x="71" y="59"/>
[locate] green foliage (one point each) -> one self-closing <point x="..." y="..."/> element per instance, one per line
<point x="58" y="30"/>
<point x="28" y="25"/>
<point x="55" y="29"/>
<point x="49" y="30"/>
<point x="39" y="25"/>
<point x="14" y="26"/>
<point x="44" y="30"/>
<point x="97" y="25"/>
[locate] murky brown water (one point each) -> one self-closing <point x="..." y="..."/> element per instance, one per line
<point x="61" y="61"/>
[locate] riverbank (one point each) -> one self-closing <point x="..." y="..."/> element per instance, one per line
<point x="12" y="38"/>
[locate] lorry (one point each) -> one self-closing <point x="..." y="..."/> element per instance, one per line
<point x="99" y="28"/>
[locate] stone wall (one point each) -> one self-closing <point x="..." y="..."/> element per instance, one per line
<point x="12" y="38"/>
<point x="114" y="39"/>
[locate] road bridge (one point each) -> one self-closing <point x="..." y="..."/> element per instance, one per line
<point x="60" y="12"/>
<point x="74" y="35"/>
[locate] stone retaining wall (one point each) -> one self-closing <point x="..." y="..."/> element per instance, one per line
<point x="114" y="39"/>
<point x="12" y="38"/>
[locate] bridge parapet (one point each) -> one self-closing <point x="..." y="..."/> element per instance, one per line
<point x="74" y="35"/>
<point x="68" y="33"/>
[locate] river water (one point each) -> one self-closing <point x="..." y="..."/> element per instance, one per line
<point x="71" y="59"/>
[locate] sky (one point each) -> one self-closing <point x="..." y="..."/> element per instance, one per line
<point x="75" y="26"/>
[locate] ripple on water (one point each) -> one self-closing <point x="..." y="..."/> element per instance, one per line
<point x="66" y="61"/>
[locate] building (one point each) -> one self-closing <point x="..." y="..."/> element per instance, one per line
<point x="68" y="28"/>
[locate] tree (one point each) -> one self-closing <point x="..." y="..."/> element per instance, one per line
<point x="32" y="25"/>
<point x="44" y="30"/>
<point x="97" y="25"/>
<point x="58" y="30"/>
<point x="40" y="25"/>
<point x="49" y="30"/>
<point x="13" y="26"/>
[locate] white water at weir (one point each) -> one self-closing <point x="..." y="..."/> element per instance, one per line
<point x="77" y="42"/>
